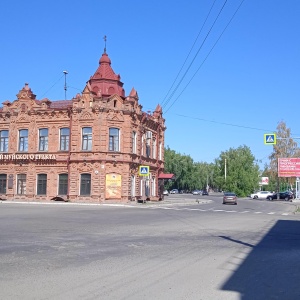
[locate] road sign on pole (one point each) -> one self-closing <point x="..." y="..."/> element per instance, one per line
<point x="144" y="170"/>
<point x="270" y="138"/>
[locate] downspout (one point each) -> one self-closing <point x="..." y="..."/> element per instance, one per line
<point x="69" y="154"/>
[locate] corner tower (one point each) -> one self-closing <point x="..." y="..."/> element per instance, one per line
<point x="105" y="82"/>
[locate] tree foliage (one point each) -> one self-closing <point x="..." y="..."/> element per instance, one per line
<point x="242" y="172"/>
<point x="234" y="170"/>
<point x="285" y="147"/>
<point x="237" y="171"/>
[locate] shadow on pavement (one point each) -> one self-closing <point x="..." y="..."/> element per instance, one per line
<point x="272" y="269"/>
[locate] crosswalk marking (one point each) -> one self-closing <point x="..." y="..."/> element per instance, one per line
<point x="211" y="210"/>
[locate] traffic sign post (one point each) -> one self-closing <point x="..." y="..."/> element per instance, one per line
<point x="297" y="188"/>
<point x="270" y="138"/>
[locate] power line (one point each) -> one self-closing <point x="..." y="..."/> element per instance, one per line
<point x="177" y="86"/>
<point x="206" y="55"/>
<point x="52" y="86"/>
<point x="223" y="123"/>
<point x="236" y="125"/>
<point x="189" y="52"/>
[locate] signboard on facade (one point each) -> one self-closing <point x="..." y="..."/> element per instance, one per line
<point x="289" y="167"/>
<point x="264" y="181"/>
<point x="31" y="157"/>
<point x="113" y="186"/>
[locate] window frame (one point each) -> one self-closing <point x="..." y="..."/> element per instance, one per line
<point x="4" y="140"/>
<point x="85" y="184"/>
<point x="114" y="139"/>
<point x="160" y="150"/>
<point x="87" y="139"/>
<point x="3" y="183"/>
<point x="154" y="148"/>
<point x="43" y="139"/>
<point x="63" y="184"/>
<point x="133" y="185"/>
<point x="64" y="139"/>
<point x="21" y="184"/>
<point x="23" y="140"/>
<point x="41" y="184"/>
<point x="134" y="135"/>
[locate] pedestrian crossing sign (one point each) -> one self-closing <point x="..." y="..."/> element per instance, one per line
<point x="144" y="170"/>
<point x="270" y="138"/>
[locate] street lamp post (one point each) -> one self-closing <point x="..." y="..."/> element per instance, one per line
<point x="225" y="169"/>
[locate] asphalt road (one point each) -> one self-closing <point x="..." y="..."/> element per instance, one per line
<point x="178" y="249"/>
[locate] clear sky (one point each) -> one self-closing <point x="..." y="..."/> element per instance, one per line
<point x="240" y="66"/>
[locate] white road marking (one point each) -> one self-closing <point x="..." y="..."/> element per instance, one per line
<point x="211" y="209"/>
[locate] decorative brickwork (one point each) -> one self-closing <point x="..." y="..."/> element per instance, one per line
<point x="87" y="149"/>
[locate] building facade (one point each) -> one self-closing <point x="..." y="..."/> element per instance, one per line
<point x="91" y="148"/>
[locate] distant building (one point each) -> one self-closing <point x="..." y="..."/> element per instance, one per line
<point x="87" y="149"/>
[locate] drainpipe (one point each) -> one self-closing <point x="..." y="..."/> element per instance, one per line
<point x="69" y="154"/>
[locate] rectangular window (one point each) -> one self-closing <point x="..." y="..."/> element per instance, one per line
<point x="3" y="179"/>
<point x="62" y="184"/>
<point x="160" y="151"/>
<point x="85" y="184"/>
<point x="134" y="142"/>
<point x="43" y="139"/>
<point x="64" y="139"/>
<point x="141" y="187"/>
<point x="41" y="184"/>
<point x="132" y="186"/>
<point x="21" y="184"/>
<point x="154" y="149"/>
<point x="153" y="187"/>
<point x="114" y="139"/>
<point x="4" y="141"/>
<point x="148" y="143"/>
<point x="87" y="138"/>
<point x="23" y="140"/>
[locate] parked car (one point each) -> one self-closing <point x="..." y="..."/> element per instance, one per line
<point x="204" y="193"/>
<point x="174" y="191"/>
<point x="196" y="192"/>
<point x="282" y="195"/>
<point x="230" y="197"/>
<point x="261" y="195"/>
<point x="166" y="193"/>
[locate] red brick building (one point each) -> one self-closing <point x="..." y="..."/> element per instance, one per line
<point x="87" y="149"/>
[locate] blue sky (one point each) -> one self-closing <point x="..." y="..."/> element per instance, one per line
<point x="241" y="82"/>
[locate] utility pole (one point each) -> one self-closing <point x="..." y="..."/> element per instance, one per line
<point x="225" y="169"/>
<point x="65" y="87"/>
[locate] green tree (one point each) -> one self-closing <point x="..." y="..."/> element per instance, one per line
<point x="182" y="166"/>
<point x="236" y="170"/>
<point x="285" y="147"/>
